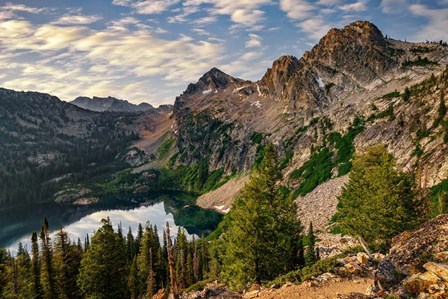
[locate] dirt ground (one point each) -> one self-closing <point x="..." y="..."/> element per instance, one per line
<point x="323" y="291"/>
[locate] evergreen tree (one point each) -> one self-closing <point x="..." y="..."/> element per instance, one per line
<point x="378" y="201"/>
<point x="442" y="199"/>
<point x="3" y="270"/>
<point x="263" y="228"/>
<point x="67" y="259"/>
<point x="310" y="257"/>
<point x="35" y="267"/>
<point x="47" y="274"/>
<point x="301" y="254"/>
<point x="103" y="269"/>
<point x="181" y="258"/>
<point x="406" y="95"/>
<point x="204" y="257"/>
<point x="130" y="250"/>
<point x="133" y="279"/>
<point x="23" y="263"/>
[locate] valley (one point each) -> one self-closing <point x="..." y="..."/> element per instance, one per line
<point x="288" y="179"/>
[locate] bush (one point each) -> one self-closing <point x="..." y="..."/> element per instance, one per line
<point x="297" y="276"/>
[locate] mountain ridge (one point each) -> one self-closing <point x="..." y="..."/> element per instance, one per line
<point x="100" y="104"/>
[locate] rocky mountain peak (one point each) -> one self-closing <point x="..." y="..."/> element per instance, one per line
<point x="358" y="50"/>
<point x="281" y="71"/>
<point x="211" y="81"/>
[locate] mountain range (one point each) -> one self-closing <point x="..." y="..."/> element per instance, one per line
<point x="355" y="88"/>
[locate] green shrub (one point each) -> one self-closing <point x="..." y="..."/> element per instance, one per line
<point x="297" y="276"/>
<point x="256" y="138"/>
<point x="165" y="147"/>
<point x="419" y="62"/>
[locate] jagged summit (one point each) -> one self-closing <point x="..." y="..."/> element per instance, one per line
<point x="211" y="81"/>
<point x="276" y="77"/>
<point x="359" y="50"/>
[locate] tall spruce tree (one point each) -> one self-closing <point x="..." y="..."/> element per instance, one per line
<point x="103" y="270"/>
<point x="47" y="274"/>
<point x="378" y="201"/>
<point x="67" y="259"/>
<point x="264" y="230"/>
<point x="311" y="257"/>
<point x="35" y="267"/>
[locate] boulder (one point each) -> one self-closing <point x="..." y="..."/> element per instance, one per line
<point x="437" y="269"/>
<point x="410" y="249"/>
<point x="419" y="283"/>
<point x="362" y="258"/>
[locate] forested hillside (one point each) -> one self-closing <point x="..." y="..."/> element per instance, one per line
<point x="45" y="142"/>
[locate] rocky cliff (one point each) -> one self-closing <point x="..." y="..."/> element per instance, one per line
<point x="391" y="89"/>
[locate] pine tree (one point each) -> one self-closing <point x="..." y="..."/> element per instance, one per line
<point x="35" y="267"/>
<point x="144" y="262"/>
<point x="171" y="263"/>
<point x="406" y="95"/>
<point x="103" y="269"/>
<point x="195" y="261"/>
<point x="133" y="279"/>
<point x="67" y="259"/>
<point x="301" y="254"/>
<point x="442" y="201"/>
<point x="378" y="202"/>
<point x="310" y="257"/>
<point x="47" y="274"/>
<point x="263" y="228"/>
<point x="3" y="270"/>
<point x="23" y="263"/>
<point x="204" y="257"/>
<point x="130" y="250"/>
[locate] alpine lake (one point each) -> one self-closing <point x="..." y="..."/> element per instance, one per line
<point x="129" y="210"/>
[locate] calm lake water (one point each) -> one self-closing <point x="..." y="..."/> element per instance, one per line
<point x="17" y="224"/>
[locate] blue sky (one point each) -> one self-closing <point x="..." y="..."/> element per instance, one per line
<point x="149" y="50"/>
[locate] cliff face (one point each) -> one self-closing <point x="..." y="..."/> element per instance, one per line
<point x="354" y="71"/>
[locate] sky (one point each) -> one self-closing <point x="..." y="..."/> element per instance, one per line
<point x="149" y="50"/>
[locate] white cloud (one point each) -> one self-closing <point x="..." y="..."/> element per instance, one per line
<point x="205" y="20"/>
<point x="315" y="28"/>
<point x="243" y="12"/>
<point x="147" y="7"/>
<point x="356" y="6"/>
<point x="23" y="8"/>
<point x="101" y="62"/>
<point x="254" y="41"/>
<point x="251" y="55"/>
<point x="393" y="6"/>
<point x="78" y="19"/>
<point x="437" y="22"/>
<point x="297" y="9"/>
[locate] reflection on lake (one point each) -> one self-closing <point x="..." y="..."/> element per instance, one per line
<point x="17" y="224"/>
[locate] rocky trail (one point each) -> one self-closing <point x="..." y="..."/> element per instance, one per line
<point x="334" y="288"/>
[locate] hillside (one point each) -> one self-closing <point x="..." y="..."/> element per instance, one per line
<point x="48" y="145"/>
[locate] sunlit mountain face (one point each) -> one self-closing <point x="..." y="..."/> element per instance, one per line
<point x="149" y="50"/>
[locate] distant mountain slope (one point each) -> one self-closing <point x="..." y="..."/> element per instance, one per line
<point x="109" y="104"/>
<point x="45" y="141"/>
